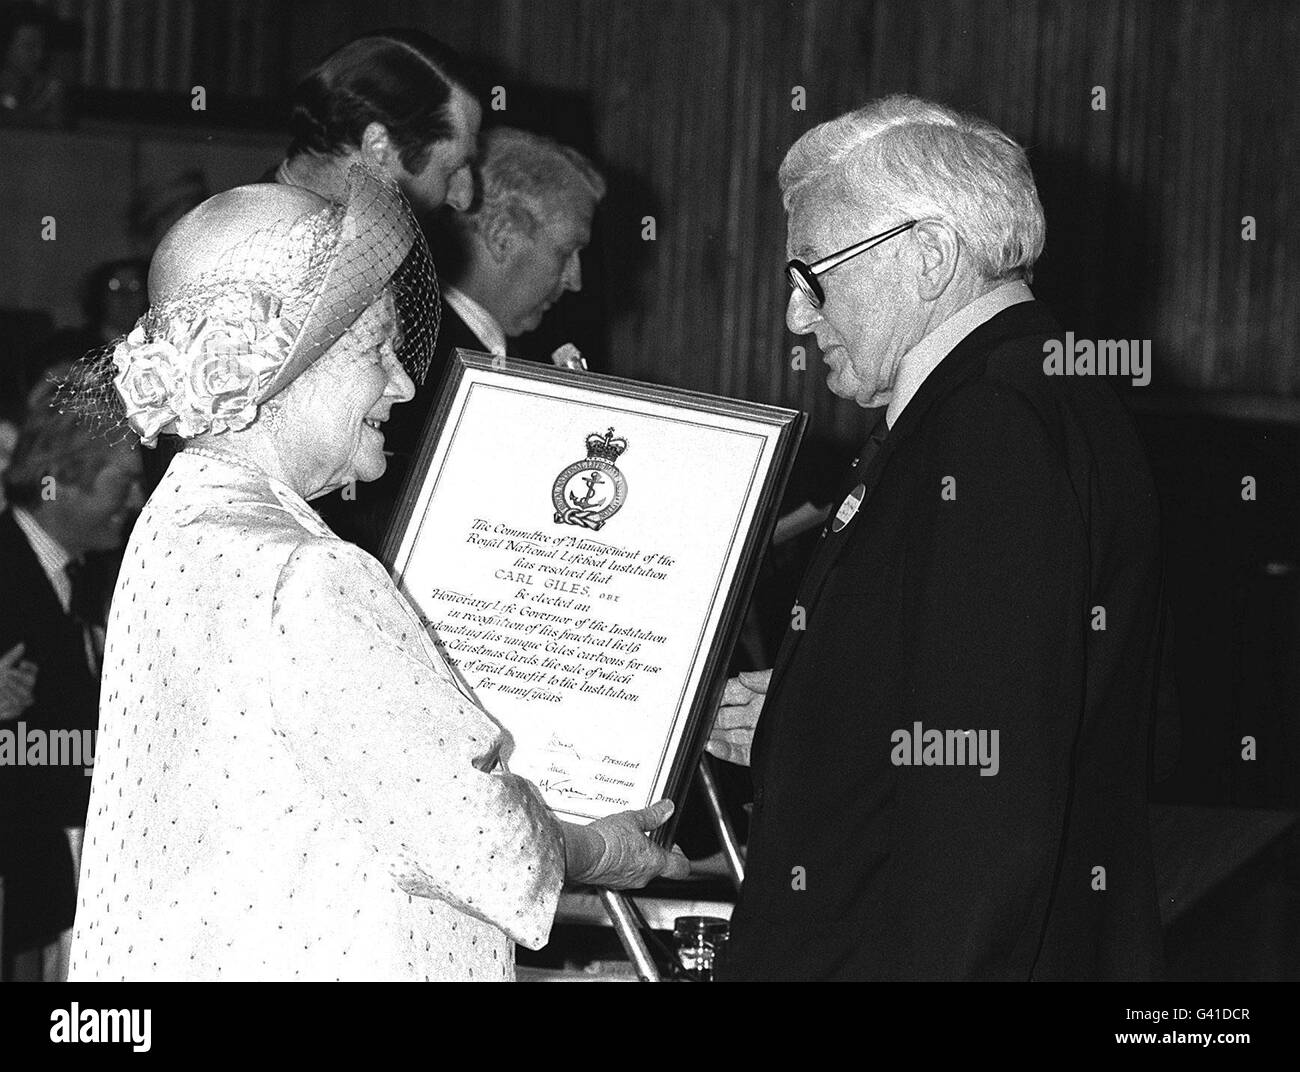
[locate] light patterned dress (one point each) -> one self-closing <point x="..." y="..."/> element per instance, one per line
<point x="289" y="782"/>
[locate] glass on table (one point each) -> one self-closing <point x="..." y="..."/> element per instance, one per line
<point x="698" y="940"/>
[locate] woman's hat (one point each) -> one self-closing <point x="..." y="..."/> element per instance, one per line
<point x="248" y="290"/>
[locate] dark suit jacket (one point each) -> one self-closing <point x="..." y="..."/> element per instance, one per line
<point x="973" y="612"/>
<point x="364" y="520"/>
<point x="37" y="802"/>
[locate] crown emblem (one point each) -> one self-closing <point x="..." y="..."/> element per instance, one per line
<point x="589" y="492"/>
<point x="605" y="447"/>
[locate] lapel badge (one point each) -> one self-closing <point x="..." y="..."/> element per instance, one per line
<point x="848" y="508"/>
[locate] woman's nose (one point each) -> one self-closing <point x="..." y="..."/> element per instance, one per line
<point x="400" y="385"/>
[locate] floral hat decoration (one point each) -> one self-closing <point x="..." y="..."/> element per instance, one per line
<point x="246" y="292"/>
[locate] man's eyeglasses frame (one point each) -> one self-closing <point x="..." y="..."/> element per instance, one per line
<point x="803" y="276"/>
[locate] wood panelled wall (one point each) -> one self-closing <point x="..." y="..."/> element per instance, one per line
<point x="688" y="106"/>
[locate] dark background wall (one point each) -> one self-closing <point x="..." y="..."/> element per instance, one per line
<point x="688" y="105"/>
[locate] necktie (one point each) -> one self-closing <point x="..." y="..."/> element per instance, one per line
<point x="848" y="508"/>
<point x="86" y="609"/>
<point x="829" y="545"/>
<point x="828" y="548"/>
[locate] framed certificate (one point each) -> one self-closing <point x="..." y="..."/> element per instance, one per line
<point x="584" y="548"/>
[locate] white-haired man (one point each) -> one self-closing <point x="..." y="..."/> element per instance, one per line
<point x="950" y="764"/>
<point x="505" y="263"/>
<point x="520" y="247"/>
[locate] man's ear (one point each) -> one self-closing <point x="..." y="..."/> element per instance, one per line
<point x="939" y="246"/>
<point x="377" y="147"/>
<point x="500" y="237"/>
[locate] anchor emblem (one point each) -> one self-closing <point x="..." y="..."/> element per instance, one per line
<point x="591" y="508"/>
<point x="591" y="480"/>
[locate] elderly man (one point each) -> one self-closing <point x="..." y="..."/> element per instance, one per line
<point x="519" y="253"/>
<point x="71" y="494"/>
<point x="950" y="765"/>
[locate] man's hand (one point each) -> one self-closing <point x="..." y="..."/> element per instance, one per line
<point x="17" y="680"/>
<point x="614" y="851"/>
<point x="733" y="726"/>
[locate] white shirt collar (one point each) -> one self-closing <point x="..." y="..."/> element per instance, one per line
<point x="477" y="319"/>
<point x="923" y="358"/>
<point x="51" y="554"/>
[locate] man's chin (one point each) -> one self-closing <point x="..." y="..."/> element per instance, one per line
<point x="524" y="325"/>
<point x="840" y="384"/>
<point x="843" y="385"/>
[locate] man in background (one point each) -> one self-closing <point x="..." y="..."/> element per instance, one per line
<point x="71" y="495"/>
<point x="398" y="101"/>
<point x="951" y="757"/>
<point x="518" y="252"/>
<point x="503" y="265"/>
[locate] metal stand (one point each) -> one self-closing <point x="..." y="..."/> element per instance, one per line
<point x="731" y="850"/>
<point x="620" y="915"/>
<point x="620" y="912"/>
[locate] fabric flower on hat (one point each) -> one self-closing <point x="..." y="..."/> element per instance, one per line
<point x="209" y="381"/>
<point x="232" y="355"/>
<point x="147" y="381"/>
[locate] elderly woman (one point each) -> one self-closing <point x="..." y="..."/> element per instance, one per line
<point x="290" y="783"/>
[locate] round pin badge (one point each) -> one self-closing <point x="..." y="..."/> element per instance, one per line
<point x="848" y="508"/>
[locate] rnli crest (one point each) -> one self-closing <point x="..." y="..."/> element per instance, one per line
<point x="589" y="492"/>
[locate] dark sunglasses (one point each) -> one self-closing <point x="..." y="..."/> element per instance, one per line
<point x="804" y="276"/>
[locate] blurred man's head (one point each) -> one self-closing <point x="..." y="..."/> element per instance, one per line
<point x="25" y="33"/>
<point x="522" y="243"/>
<point x="115" y="296"/>
<point x="82" y="490"/>
<point x="401" y="101"/>
<point x="979" y="224"/>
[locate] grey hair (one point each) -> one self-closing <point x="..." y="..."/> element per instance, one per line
<point x="913" y="159"/>
<point x="526" y="177"/>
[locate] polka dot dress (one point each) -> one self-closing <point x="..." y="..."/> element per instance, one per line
<point x="289" y="783"/>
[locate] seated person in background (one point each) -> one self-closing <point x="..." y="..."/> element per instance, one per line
<point x="397" y="101"/>
<point x="29" y="94"/>
<point x="17" y="682"/>
<point x="509" y="261"/>
<point x="71" y="493"/>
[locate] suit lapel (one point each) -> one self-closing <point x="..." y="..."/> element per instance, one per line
<point x="963" y="362"/>
<point x="26" y="575"/>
